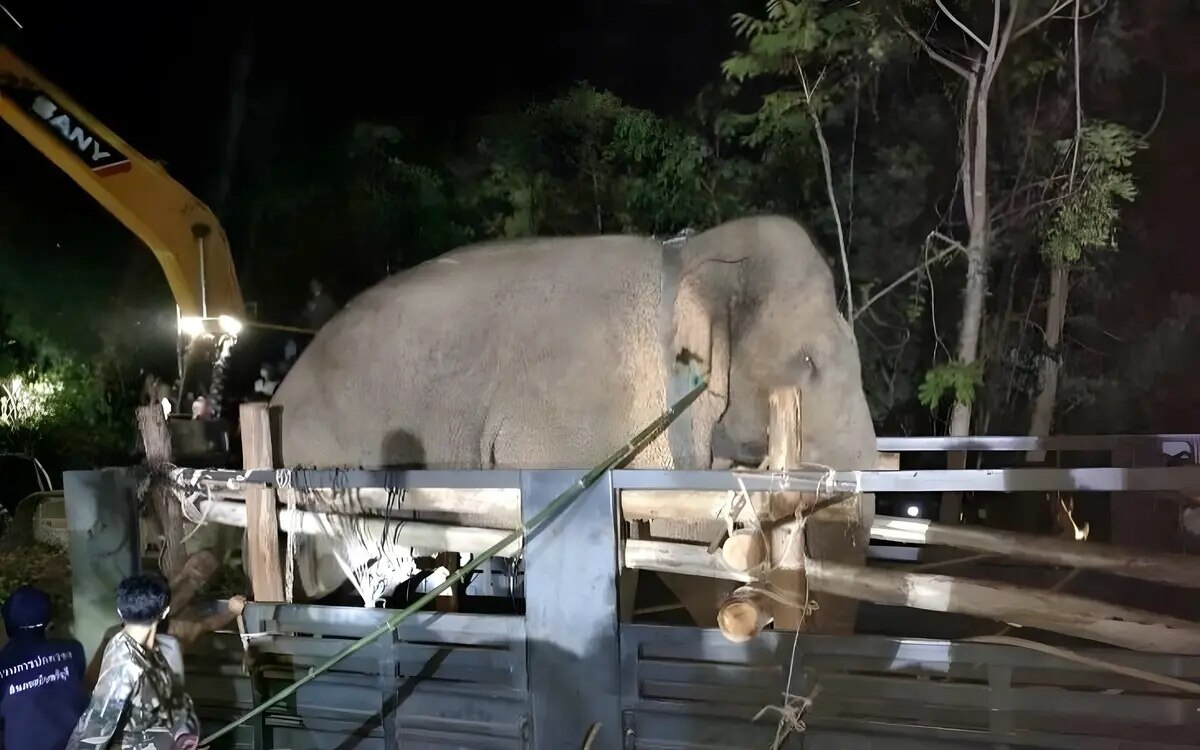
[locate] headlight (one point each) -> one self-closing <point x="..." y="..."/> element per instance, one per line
<point x="230" y="325"/>
<point x="191" y="326"/>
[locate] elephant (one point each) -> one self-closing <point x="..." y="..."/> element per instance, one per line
<point x="549" y="353"/>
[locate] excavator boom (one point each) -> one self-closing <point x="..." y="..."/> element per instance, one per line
<point x="179" y="229"/>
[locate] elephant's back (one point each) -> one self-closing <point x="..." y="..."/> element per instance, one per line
<point x="412" y="370"/>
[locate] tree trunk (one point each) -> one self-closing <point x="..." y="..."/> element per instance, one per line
<point x="1056" y="314"/>
<point x="974" y="297"/>
<point x="156" y="440"/>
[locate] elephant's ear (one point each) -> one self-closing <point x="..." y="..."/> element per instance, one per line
<point x="700" y="348"/>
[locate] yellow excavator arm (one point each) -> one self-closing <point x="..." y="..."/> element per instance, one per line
<point x="178" y="228"/>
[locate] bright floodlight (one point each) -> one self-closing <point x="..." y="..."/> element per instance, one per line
<point x="230" y="325"/>
<point x="191" y="326"/>
<point x="913" y="511"/>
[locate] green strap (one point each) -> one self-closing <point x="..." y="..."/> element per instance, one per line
<point x="618" y="458"/>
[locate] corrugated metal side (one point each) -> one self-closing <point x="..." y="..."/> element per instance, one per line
<point x="686" y="688"/>
<point x="438" y="681"/>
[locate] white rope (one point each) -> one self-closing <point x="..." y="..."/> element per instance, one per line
<point x="791" y="715"/>
<point x="201" y="518"/>
<point x="289" y="570"/>
<point x="794" y="707"/>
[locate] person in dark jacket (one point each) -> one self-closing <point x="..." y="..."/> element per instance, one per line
<point x="41" y="679"/>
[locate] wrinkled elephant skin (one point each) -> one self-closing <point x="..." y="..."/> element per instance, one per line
<point x="550" y="353"/>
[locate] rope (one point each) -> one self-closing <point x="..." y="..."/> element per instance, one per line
<point x="283" y="483"/>
<point x="564" y="499"/>
<point x="791" y="714"/>
<point x="794" y="707"/>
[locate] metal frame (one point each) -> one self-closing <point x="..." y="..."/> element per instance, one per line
<point x="541" y="680"/>
<point x="1181" y="478"/>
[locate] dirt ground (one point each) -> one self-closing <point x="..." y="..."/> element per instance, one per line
<point x="38" y="565"/>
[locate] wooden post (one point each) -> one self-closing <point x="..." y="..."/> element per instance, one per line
<point x="156" y="441"/>
<point x="262" y="519"/>
<point x="785" y="539"/>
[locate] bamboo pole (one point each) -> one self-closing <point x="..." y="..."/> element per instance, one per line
<point x="568" y="496"/>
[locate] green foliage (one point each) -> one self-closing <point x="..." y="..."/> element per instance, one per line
<point x="60" y="407"/>
<point x="587" y="163"/>
<point x="1088" y="216"/>
<point x="805" y="41"/>
<point x="956" y="379"/>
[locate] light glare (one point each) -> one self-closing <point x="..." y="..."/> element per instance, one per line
<point x="230" y="325"/>
<point x="191" y="326"/>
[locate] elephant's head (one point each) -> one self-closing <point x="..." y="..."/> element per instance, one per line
<point x="757" y="304"/>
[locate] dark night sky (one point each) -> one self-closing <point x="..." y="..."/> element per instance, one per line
<point x="158" y="73"/>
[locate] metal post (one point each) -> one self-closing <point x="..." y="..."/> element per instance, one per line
<point x="203" y="278"/>
<point x="573" y="653"/>
<point x="105" y="546"/>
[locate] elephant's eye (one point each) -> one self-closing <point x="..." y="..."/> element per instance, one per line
<point x="802" y="365"/>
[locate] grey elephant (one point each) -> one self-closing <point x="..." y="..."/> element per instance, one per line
<point x="550" y="353"/>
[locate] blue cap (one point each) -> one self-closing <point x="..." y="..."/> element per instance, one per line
<point x="27" y="608"/>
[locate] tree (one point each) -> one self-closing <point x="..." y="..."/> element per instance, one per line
<point x="587" y="163"/>
<point x="1085" y="218"/>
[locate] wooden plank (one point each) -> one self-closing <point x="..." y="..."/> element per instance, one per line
<point x="262" y="519"/>
<point x="786" y="540"/>
<point x="885" y="461"/>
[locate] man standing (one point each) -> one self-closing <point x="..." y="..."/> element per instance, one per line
<point x="41" y="679"/>
<point x="139" y="702"/>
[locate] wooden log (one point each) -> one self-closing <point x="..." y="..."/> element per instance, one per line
<point x="703" y="505"/>
<point x="435" y="537"/>
<point x="262" y="522"/>
<point x="678" y="557"/>
<point x="156" y="442"/>
<point x="1059" y="613"/>
<point x="1047" y="610"/>
<point x="744" y="614"/>
<point x="744" y="551"/>
<point x="1171" y="569"/>
<point x="785" y="541"/>
<point x="501" y="505"/>
<point x="196" y="572"/>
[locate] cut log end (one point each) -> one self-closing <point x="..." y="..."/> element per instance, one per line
<point x="744" y="551"/>
<point x="743" y="616"/>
